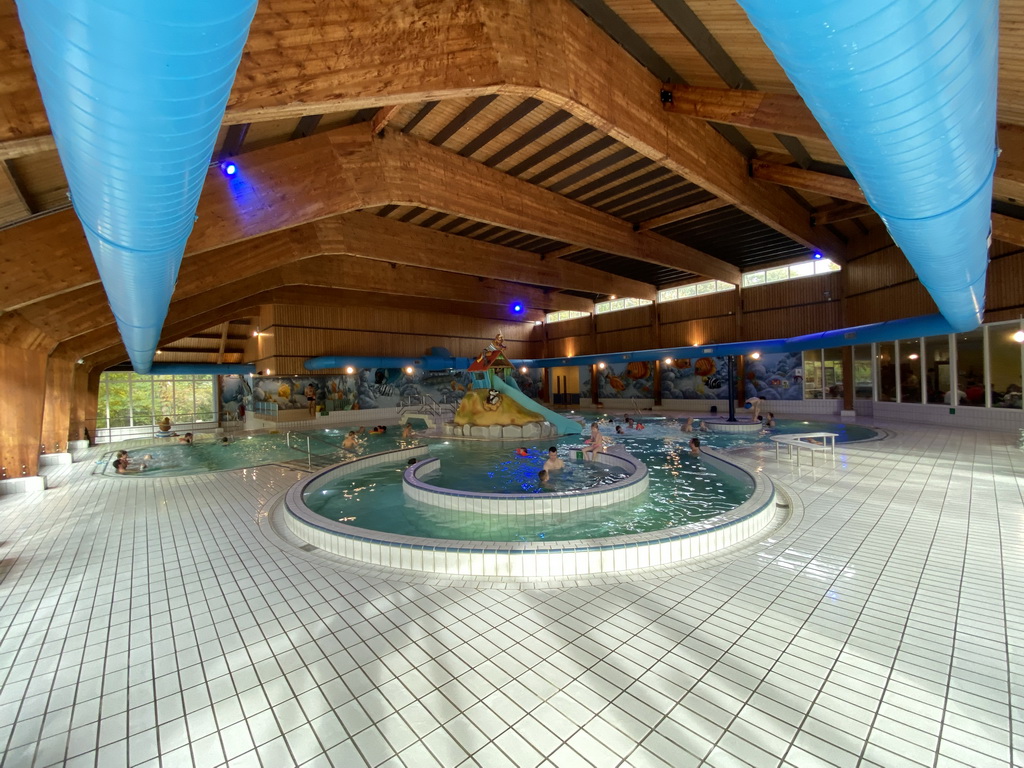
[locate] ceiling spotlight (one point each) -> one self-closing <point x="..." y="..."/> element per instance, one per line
<point x="228" y="168"/>
<point x="667" y="361"/>
<point x="517" y="308"/>
<point x="159" y="351"/>
<point x="538" y="322"/>
<point x="914" y="356"/>
<point x="755" y="355"/>
<point x="612" y="297"/>
<point x="524" y="369"/>
<point x="81" y="361"/>
<point x="349" y="370"/>
<point x="600" y="366"/>
<point x="408" y="370"/>
<point x="817" y="255"/>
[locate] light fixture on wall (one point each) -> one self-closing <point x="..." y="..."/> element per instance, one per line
<point x="817" y="255"/>
<point x="408" y="370"/>
<point x="667" y="361"/>
<point x="159" y="351"/>
<point x="1019" y="337"/>
<point x="228" y="168"/>
<point x="349" y="370"/>
<point x="913" y="356"/>
<point x="600" y="366"/>
<point x="755" y="355"/>
<point x="538" y="322"/>
<point x="256" y="332"/>
<point x="524" y="369"/>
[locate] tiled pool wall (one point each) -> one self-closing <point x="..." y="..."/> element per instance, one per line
<point x="528" y="559"/>
<point x="635" y="483"/>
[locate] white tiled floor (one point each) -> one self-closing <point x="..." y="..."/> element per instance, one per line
<point x="164" y="622"/>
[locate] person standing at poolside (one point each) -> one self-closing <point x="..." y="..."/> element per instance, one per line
<point x="311" y="399"/>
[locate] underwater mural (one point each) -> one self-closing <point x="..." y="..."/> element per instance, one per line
<point x="696" y="378"/>
<point x="235" y="397"/>
<point x="366" y="388"/>
<point x="620" y="380"/>
<point x="777" y="376"/>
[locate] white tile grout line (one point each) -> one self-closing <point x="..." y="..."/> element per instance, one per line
<point x="226" y="613"/>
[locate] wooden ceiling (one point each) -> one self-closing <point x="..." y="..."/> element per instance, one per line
<point x="518" y="141"/>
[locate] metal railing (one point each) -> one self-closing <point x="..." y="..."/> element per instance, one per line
<point x="197" y="422"/>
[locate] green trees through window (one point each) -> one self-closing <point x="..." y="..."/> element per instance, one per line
<point x="131" y="400"/>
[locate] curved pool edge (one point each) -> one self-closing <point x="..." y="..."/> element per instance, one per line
<point x="556" y="559"/>
<point x="556" y="502"/>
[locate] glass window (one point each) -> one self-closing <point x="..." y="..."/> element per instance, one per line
<point x="565" y="314"/>
<point x="1004" y="365"/>
<point x="616" y="305"/>
<point x="937" y="376"/>
<point x="812" y="375"/>
<point x="862" y="372"/>
<point x="821" y="266"/>
<point x="832" y="372"/>
<point x="887" y="372"/>
<point x="909" y="351"/>
<point x="802" y="269"/>
<point x="753" y="278"/>
<point x="776" y="275"/>
<point x="970" y="367"/>
<point x="128" y="399"/>
<point x="687" y="291"/>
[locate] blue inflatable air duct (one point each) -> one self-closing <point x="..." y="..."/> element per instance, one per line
<point x="135" y="93"/>
<point x="906" y="91"/>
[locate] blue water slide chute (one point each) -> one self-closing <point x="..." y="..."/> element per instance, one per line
<point x="135" y="94"/>
<point x="906" y="92"/>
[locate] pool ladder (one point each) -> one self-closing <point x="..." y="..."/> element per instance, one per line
<point x="309" y="448"/>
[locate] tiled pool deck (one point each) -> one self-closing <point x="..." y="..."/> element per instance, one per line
<point x="166" y="622"/>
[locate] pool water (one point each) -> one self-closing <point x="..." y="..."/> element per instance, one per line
<point x="206" y="454"/>
<point x="495" y="468"/>
<point x="682" y="490"/>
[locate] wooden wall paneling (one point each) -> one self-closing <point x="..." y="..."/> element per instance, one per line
<point x="84" y="402"/>
<point x="792" y="321"/>
<point x="712" y="305"/>
<point x="793" y="293"/>
<point x="21" y="410"/>
<point x="904" y="300"/>
<point x="690" y="333"/>
<point x="884" y="267"/>
<point x="1005" y="286"/>
<point x="57" y="404"/>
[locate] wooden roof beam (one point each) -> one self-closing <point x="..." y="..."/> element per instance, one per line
<point x="841" y="210"/>
<point x="289" y="184"/>
<point x="683" y="214"/>
<point x="809" y="181"/>
<point x="775" y="112"/>
<point x="339" y="56"/>
<point x="443" y="290"/>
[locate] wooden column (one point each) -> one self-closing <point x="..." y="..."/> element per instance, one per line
<point x="84" y="401"/>
<point x="848" y="379"/>
<point x="21" y="410"/>
<point x="59" y="394"/>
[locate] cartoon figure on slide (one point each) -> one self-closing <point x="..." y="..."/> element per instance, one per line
<point x="492" y="350"/>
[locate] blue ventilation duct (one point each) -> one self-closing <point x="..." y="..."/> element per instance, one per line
<point x="203" y="369"/>
<point x="135" y="93"/>
<point x="427" y="363"/>
<point x="906" y="91"/>
<point x="891" y="330"/>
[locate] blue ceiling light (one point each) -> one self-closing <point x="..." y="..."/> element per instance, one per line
<point x="817" y="255"/>
<point x="228" y="168"/>
<point x="517" y="308"/>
